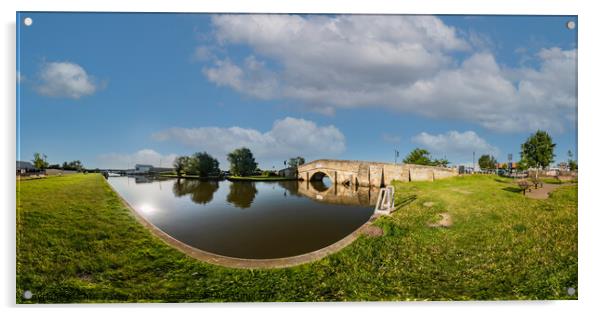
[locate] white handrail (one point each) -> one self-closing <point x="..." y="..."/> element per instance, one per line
<point x="386" y="201"/>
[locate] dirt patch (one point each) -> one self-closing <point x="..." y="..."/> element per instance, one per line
<point x="544" y="192"/>
<point x="428" y="204"/>
<point x="445" y="220"/>
<point x="85" y="276"/>
<point x="372" y="231"/>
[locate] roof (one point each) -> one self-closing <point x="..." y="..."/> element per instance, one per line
<point x="143" y="166"/>
<point x="24" y="165"/>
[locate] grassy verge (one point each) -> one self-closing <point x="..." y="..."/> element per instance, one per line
<point x="76" y="242"/>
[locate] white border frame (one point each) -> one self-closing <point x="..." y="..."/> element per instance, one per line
<point x="589" y="146"/>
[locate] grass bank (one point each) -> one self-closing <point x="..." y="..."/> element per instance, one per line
<point x="76" y="242"/>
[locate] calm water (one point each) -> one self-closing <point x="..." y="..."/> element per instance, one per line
<point x="249" y="219"/>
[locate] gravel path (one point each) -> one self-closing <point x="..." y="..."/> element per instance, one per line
<point x="543" y="192"/>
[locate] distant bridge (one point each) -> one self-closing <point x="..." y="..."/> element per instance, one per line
<point x="368" y="174"/>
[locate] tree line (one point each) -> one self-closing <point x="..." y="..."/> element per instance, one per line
<point x="242" y="163"/>
<point x="536" y="152"/>
<point x="40" y="162"/>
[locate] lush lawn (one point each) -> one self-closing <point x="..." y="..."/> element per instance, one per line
<point x="76" y="242"/>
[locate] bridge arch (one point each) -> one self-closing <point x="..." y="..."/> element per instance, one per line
<point x="318" y="175"/>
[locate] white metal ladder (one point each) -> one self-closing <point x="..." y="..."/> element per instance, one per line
<point x="386" y="201"/>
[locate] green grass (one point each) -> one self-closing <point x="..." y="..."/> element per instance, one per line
<point x="557" y="181"/>
<point x="76" y="242"/>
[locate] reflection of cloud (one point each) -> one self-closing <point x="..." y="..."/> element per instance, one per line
<point x="288" y="138"/>
<point x="144" y="156"/>
<point x="405" y="63"/>
<point x="66" y="80"/>
<point x="147" y="209"/>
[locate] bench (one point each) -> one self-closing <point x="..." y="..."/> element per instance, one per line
<point x="536" y="182"/>
<point x="525" y="185"/>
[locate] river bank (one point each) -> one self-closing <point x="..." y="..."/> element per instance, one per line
<point x="77" y="242"/>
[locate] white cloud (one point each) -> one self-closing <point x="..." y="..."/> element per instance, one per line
<point x="127" y="161"/>
<point x="203" y="53"/>
<point x="288" y="137"/>
<point x="252" y="78"/>
<point x="66" y="80"/>
<point x="20" y="77"/>
<point x="403" y="63"/>
<point x="455" y="144"/>
<point x="390" y="138"/>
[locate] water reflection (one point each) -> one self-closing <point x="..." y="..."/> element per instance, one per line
<point x="335" y="193"/>
<point x="201" y="192"/>
<point x="281" y="219"/>
<point x="242" y="194"/>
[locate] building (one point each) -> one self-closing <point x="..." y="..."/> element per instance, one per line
<point x="143" y="168"/>
<point x="289" y="172"/>
<point x="505" y="165"/>
<point x="146" y="169"/>
<point x="26" y="167"/>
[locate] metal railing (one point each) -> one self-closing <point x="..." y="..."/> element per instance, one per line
<point x="385" y="203"/>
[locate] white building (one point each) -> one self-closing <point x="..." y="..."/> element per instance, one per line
<point x="142" y="168"/>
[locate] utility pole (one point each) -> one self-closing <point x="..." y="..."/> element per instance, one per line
<point x="396" y="155"/>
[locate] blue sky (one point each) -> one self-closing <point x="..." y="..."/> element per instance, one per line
<point x="113" y="90"/>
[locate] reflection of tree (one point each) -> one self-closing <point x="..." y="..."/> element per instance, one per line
<point x="242" y="193"/>
<point x="292" y="187"/>
<point x="201" y="191"/>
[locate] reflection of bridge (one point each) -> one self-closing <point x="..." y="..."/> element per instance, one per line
<point x="335" y="194"/>
<point x="370" y="174"/>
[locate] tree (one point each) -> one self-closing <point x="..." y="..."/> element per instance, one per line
<point x="521" y="165"/>
<point x="418" y="156"/>
<point x="242" y="162"/>
<point x="203" y="164"/>
<point x="39" y="161"/>
<point x="180" y="164"/>
<point x="538" y="150"/>
<point x="572" y="163"/>
<point x="73" y="165"/>
<point x="440" y="162"/>
<point x="296" y="162"/>
<point x="487" y="162"/>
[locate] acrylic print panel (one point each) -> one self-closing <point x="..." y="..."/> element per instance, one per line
<point x="283" y="157"/>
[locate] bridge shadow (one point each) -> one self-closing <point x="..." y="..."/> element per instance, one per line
<point x="405" y="200"/>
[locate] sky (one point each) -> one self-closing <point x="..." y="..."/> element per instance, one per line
<point x="115" y="89"/>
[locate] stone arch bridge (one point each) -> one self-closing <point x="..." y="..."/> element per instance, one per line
<point x="368" y="174"/>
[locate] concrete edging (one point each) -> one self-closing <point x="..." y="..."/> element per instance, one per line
<point x="241" y="263"/>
